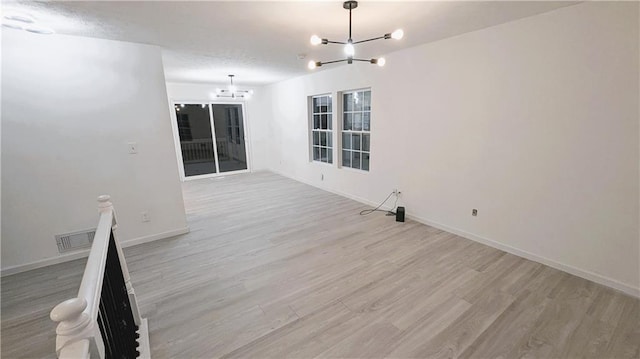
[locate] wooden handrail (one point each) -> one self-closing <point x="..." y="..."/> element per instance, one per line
<point x="94" y="271"/>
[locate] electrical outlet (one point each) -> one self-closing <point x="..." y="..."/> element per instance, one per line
<point x="145" y="216"/>
<point x="133" y="147"/>
<point x="474" y="212"/>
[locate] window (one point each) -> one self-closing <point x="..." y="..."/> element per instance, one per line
<point x="356" y="129"/>
<point x="321" y="134"/>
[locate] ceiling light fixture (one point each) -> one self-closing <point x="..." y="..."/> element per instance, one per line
<point x="19" y="21"/>
<point x="39" y="30"/>
<point x="233" y="91"/>
<point x="20" y="17"/>
<point x="349" y="48"/>
<point x="13" y="25"/>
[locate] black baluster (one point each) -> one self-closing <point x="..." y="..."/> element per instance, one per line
<point x="117" y="325"/>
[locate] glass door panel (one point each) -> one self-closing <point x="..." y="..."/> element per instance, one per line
<point x="228" y="125"/>
<point x="196" y="140"/>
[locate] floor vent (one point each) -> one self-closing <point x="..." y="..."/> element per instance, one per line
<point x="76" y="240"/>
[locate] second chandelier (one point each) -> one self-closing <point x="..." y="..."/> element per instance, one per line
<point x="349" y="49"/>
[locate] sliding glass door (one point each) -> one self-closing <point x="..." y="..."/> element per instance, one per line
<point x="212" y="138"/>
<point x="196" y="140"/>
<point x="230" y="143"/>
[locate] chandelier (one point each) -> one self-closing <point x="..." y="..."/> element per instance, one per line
<point x="349" y="49"/>
<point x="233" y="92"/>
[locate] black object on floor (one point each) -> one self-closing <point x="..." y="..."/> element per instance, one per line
<point x="400" y="214"/>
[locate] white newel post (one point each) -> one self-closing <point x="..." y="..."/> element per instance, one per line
<point x="75" y="329"/>
<point x="104" y="204"/>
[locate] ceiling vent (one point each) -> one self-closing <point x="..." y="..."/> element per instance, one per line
<point x="74" y="241"/>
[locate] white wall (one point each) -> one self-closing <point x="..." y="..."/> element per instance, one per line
<point x="255" y="118"/>
<point x="70" y="105"/>
<point x="534" y="122"/>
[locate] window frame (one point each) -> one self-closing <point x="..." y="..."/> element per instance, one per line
<point x="233" y="125"/>
<point x="329" y="145"/>
<point x="360" y="133"/>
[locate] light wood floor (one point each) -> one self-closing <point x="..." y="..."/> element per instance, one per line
<point x="275" y="268"/>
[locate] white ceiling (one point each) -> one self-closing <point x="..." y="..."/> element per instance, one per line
<point x="259" y="41"/>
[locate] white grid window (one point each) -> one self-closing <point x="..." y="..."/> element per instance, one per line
<point x="321" y="133"/>
<point x="356" y="129"/>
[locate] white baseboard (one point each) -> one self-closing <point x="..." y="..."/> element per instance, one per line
<point x="594" y="277"/>
<point x="343" y="194"/>
<point x="84" y="253"/>
<point x="155" y="237"/>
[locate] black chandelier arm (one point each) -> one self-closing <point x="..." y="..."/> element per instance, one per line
<point x="372" y="39"/>
<point x="348" y="59"/>
<point x="332" y="62"/>
<point x="231" y="96"/>
<point x="237" y="91"/>
<point x="385" y="36"/>
<point x="349" y="23"/>
<point x="325" y="41"/>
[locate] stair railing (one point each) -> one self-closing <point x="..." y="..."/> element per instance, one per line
<point x="104" y="318"/>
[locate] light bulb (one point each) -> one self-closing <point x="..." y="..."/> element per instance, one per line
<point x="311" y="65"/>
<point x="349" y="49"/>
<point x="381" y="61"/>
<point x="182" y="105"/>
<point x="204" y="105"/>
<point x="315" y="40"/>
<point x="398" y="34"/>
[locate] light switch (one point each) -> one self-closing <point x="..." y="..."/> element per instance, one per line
<point x="133" y="147"/>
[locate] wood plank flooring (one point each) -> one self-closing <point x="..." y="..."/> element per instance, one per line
<point x="274" y="268"/>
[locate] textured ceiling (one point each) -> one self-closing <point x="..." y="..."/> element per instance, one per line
<point x="259" y="41"/>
